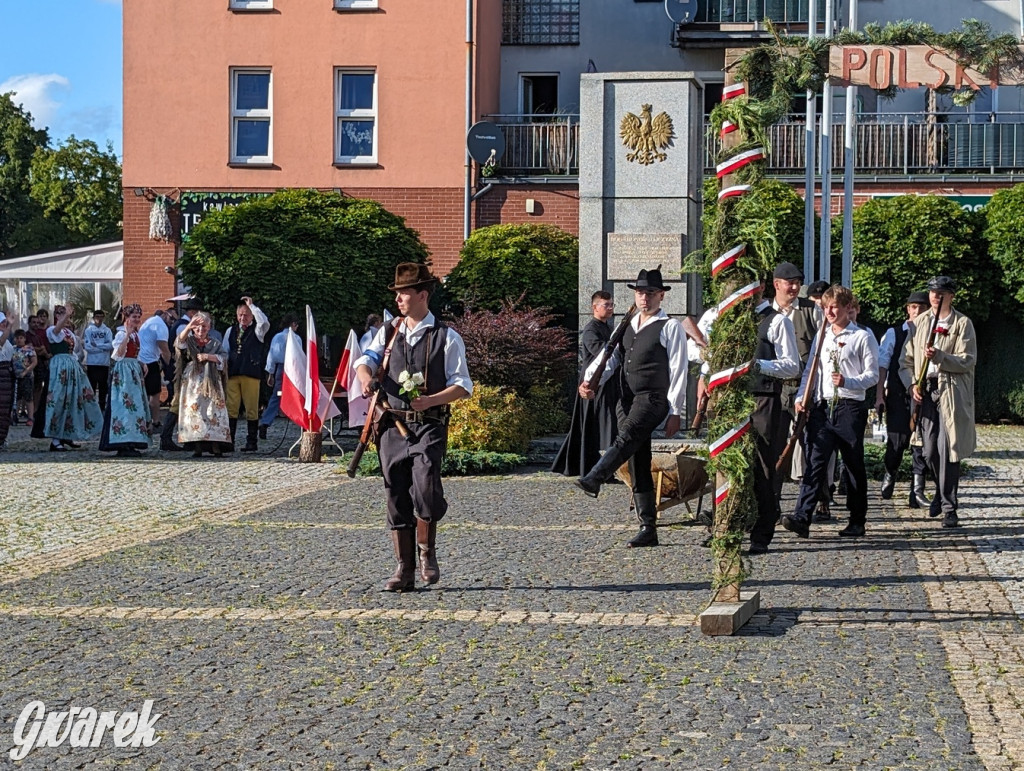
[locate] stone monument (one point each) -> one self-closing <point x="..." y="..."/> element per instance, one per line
<point x="641" y="175"/>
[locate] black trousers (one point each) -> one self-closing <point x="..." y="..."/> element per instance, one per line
<point x="639" y="414"/>
<point x="936" y="449"/>
<point x="98" y="378"/>
<point x="765" y="421"/>
<point x="412" y="474"/>
<point x="844" y="432"/>
<point x="895" y="446"/>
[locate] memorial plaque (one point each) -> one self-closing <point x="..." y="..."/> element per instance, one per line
<point x="629" y="253"/>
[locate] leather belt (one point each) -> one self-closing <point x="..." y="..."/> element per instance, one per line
<point x="438" y="415"/>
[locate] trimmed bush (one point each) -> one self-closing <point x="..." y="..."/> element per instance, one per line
<point x="530" y="265"/>
<point x="296" y="248"/>
<point x="999" y="375"/>
<point x="491" y="420"/>
<point x="1004" y="229"/>
<point x="899" y="243"/>
<point x="456" y="463"/>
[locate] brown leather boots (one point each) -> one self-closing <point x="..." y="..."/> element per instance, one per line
<point x="406" y="544"/>
<point x="426" y="537"/>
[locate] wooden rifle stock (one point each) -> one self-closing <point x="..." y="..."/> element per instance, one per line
<point x="378" y="405"/>
<point x="606" y="352"/>
<point x="915" y="406"/>
<point x="702" y="411"/>
<point x="803" y="414"/>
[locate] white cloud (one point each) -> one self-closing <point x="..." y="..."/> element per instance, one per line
<point x="36" y="94"/>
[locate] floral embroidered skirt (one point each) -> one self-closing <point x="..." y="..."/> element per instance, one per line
<point x="127" y="420"/>
<point x="71" y="409"/>
<point x="202" y="417"/>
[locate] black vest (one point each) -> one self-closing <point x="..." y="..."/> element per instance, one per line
<point x="414" y="358"/>
<point x="644" y="359"/>
<point x="761" y="384"/>
<point x="893" y="383"/>
<point x="245" y="356"/>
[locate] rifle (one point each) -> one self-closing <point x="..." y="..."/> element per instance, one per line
<point x="606" y="352"/>
<point x="702" y="411"/>
<point x="802" y="415"/>
<point x="378" y="406"/>
<point x="915" y="408"/>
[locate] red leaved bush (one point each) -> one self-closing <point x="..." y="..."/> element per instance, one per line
<point x="516" y="348"/>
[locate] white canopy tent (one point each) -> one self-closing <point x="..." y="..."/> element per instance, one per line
<point x="44" y="280"/>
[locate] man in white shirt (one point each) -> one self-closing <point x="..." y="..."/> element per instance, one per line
<point x="775" y="359"/>
<point x="652" y="387"/>
<point x="98" y="341"/>
<point x="420" y="346"/>
<point x="154" y="352"/>
<point x="846" y="368"/>
<point x="275" y="370"/>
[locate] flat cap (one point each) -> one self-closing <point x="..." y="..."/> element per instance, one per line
<point x="917" y="298"/>
<point x="817" y="289"/>
<point x="788" y="271"/>
<point x="941" y="284"/>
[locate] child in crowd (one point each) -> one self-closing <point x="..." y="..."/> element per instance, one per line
<point x="24" y="361"/>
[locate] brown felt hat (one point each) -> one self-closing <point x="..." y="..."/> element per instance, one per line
<point x="412" y="275"/>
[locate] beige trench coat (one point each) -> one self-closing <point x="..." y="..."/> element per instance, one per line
<point x="956" y="355"/>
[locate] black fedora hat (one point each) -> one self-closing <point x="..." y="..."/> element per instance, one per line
<point x="412" y="275"/>
<point x="650" y="279"/>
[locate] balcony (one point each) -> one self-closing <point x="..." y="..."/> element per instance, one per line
<point x="741" y="23"/>
<point x="888" y="145"/>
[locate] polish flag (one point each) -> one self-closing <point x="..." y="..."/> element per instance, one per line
<point x="302" y="399"/>
<point x="357" y="403"/>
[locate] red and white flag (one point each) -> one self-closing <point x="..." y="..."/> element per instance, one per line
<point x="302" y="398"/>
<point x="347" y="379"/>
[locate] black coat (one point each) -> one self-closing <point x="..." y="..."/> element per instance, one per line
<point x="593" y="427"/>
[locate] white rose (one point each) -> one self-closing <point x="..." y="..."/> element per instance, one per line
<point x="418" y="378"/>
<point x="403" y="375"/>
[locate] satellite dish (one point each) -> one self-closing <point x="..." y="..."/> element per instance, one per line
<point x="485" y="142"/>
<point x="681" y="11"/>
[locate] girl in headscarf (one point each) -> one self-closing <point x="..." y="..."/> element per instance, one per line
<point x="126" y="423"/>
<point x="70" y="411"/>
<point x="202" y="410"/>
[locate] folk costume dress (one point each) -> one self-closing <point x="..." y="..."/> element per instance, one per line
<point x="203" y="411"/>
<point x="594" y="424"/>
<point x="71" y="411"/>
<point x="126" y="422"/>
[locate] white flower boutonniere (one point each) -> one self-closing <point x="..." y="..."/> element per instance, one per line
<point x="410" y="384"/>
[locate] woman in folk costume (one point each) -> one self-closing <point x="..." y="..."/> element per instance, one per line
<point x="202" y="412"/>
<point x="126" y="422"/>
<point x="70" y="411"/>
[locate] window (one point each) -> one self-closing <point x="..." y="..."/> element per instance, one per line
<point x="540" y="22"/>
<point x="355" y="5"/>
<point x="250" y="5"/>
<point x="251" y="130"/>
<point x="539" y="94"/>
<point x="355" y="117"/>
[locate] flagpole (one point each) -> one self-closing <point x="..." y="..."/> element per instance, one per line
<point x="330" y="401"/>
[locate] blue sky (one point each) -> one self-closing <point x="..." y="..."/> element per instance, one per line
<point x="63" y="58"/>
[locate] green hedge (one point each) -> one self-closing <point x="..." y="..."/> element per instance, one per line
<point x="456" y="463"/>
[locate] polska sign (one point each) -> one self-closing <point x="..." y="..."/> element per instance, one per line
<point x="883" y="67"/>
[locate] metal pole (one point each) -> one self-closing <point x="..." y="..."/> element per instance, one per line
<point x="809" y="176"/>
<point x="849" y="159"/>
<point x="467" y="193"/>
<point x="825" y="250"/>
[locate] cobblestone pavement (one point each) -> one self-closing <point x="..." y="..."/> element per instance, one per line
<point x="242" y="597"/>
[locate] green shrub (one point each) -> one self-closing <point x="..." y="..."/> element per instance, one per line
<point x="296" y="248"/>
<point x="1004" y="229"/>
<point x="899" y="243"/>
<point x="531" y="265"/>
<point x="457" y="463"/>
<point x="999" y="374"/>
<point x="547" y="404"/>
<point x="491" y="420"/>
<point x="874" y="462"/>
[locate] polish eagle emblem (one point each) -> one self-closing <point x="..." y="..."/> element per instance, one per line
<point x="646" y="136"/>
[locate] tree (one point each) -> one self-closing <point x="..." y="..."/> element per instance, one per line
<point x="297" y="248"/>
<point x="531" y="265"/>
<point x="79" y="186"/>
<point x="18" y="143"/>
<point x="899" y="243"/>
<point x="1004" y="230"/>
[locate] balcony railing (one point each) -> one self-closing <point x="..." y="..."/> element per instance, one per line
<point x="755" y="11"/>
<point x="888" y="144"/>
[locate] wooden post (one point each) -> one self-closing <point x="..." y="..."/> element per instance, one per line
<point x="311" y="446"/>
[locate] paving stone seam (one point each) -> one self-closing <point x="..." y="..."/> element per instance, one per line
<point x="261" y="524"/>
<point x="145" y="532"/>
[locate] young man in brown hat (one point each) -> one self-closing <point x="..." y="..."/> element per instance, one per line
<point x="426" y="371"/>
<point x="892" y="399"/>
<point x="652" y="387"/>
<point x="946" y="416"/>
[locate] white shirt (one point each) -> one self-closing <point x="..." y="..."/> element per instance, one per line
<point x="455" y="367"/>
<point x="694" y="353"/>
<point x="673" y="338"/>
<point x="262" y="327"/>
<point x="6" y="351"/>
<point x="99" y="342"/>
<point x="942" y="326"/>
<point x="887" y="344"/>
<point x="275" y="355"/>
<point x="782" y="336"/>
<point x="153" y="330"/>
<point x="857" y="354"/>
